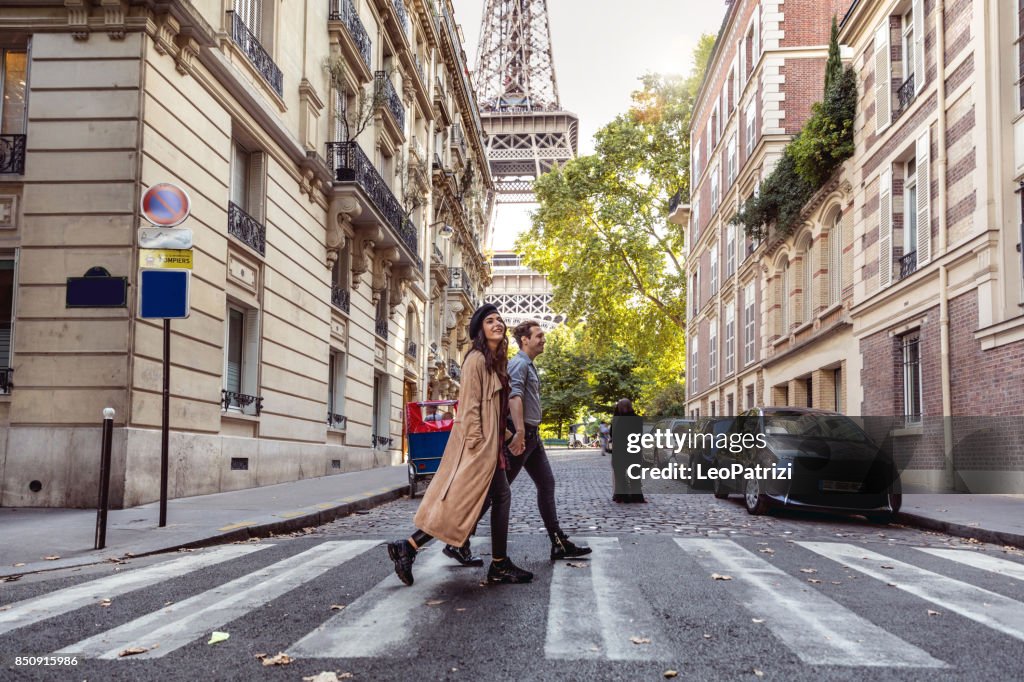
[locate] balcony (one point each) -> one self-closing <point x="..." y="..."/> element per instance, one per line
<point x="259" y="57"/>
<point x="385" y="95"/>
<point x="462" y="283"/>
<point x="381" y="327"/>
<point x="411" y="350"/>
<point x="349" y="164"/>
<point x="6" y="380"/>
<point x="403" y="17"/>
<point x="247" y="229"/>
<point x="908" y="264"/>
<point x="453" y="370"/>
<point x="357" y="40"/>
<point x="336" y="421"/>
<point x="904" y="96"/>
<point x="340" y="298"/>
<point x="457" y="141"/>
<point x="381" y="442"/>
<point x="239" y="402"/>
<point x="12" y="154"/>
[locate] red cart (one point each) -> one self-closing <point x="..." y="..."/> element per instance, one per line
<point x="427" y="427"/>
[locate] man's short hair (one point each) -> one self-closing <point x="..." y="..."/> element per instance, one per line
<point x="524" y="329"/>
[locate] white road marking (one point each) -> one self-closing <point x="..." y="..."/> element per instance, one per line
<point x="817" y="629"/>
<point x="988" y="608"/>
<point x="175" y="626"/>
<point x="1011" y="569"/>
<point x="593" y="612"/>
<point x="387" y="616"/>
<point x="63" y="601"/>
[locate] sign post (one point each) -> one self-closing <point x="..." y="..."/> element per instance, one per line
<point x="165" y="272"/>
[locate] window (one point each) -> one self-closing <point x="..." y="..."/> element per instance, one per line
<point x="381" y="426"/>
<point x="731" y="161"/>
<point x="1020" y="54"/>
<point x="748" y="323"/>
<point x="751" y="121"/>
<point x="807" y="297"/>
<point x="750" y="397"/>
<point x="910" y="209"/>
<point x="910" y="346"/>
<point x="714" y="268"/>
<point x="257" y="15"/>
<point x="13" y="77"/>
<point x="730" y="338"/>
<point x="693" y="370"/>
<point x="713" y="128"/>
<point x="907" y="46"/>
<point x="714" y="189"/>
<point x="835" y="260"/>
<point x="695" y="289"/>
<point x="695" y="218"/>
<point x="729" y="406"/>
<point x="341" y="276"/>
<point x="336" y="374"/>
<point x="917" y="237"/>
<point x="241" y="360"/>
<point x="784" y="301"/>
<point x="730" y="250"/>
<point x="837" y="379"/>
<point x="713" y="407"/>
<point x="247" y="177"/>
<point x="696" y="159"/>
<point x="6" y="322"/>
<point x="883" y="77"/>
<point x="713" y="354"/>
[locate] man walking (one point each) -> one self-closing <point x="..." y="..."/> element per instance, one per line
<point x="526" y="447"/>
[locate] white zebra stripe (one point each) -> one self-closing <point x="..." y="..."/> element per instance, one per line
<point x="63" y="601"/>
<point x="988" y="608"/>
<point x="817" y="629"/>
<point x="175" y="626"/>
<point x="978" y="560"/>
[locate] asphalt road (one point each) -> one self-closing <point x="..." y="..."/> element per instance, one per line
<point x="809" y="597"/>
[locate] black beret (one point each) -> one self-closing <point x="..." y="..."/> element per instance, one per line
<point x="477" y="321"/>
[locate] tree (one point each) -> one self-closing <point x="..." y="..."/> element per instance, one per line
<point x="614" y="376"/>
<point x="600" y="232"/>
<point x="564" y="389"/>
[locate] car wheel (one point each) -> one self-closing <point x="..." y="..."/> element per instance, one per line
<point x="754" y="500"/>
<point x="721" y="491"/>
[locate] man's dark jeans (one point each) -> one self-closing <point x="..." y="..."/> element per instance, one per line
<point x="535" y="460"/>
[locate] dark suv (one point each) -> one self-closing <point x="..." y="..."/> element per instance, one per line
<point x="706" y="434"/>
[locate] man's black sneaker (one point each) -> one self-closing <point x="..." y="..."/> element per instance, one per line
<point x="563" y="548"/>
<point x="402" y="553"/>
<point x="463" y="555"/>
<point x="505" y="571"/>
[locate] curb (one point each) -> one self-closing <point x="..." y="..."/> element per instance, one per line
<point x="961" y="530"/>
<point x="262" y="530"/>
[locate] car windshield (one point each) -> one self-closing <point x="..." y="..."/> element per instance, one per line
<point x="831" y="427"/>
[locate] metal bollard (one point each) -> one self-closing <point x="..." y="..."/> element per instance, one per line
<point x="104" y="502"/>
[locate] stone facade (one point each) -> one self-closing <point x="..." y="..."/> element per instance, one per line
<point x="326" y="148"/>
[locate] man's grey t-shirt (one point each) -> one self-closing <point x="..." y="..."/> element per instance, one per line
<point x="525" y="384"/>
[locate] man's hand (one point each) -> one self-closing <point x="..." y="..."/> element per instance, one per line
<point x="518" y="444"/>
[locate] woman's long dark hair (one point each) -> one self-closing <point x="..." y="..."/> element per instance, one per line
<point x="497" y="360"/>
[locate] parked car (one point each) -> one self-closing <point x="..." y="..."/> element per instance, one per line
<point x="665" y="454"/>
<point x="706" y="436"/>
<point x="834" y="464"/>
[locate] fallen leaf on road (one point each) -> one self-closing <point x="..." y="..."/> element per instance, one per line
<point x="835" y="582"/>
<point x="133" y="650"/>
<point x="757" y="620"/>
<point x="337" y="607"/>
<point x="670" y="673"/>
<point x="933" y="613"/>
<point x="168" y="603"/>
<point x="327" y="676"/>
<point x="767" y="550"/>
<point x="281" y="659"/>
<point x="217" y="637"/>
<point x="758" y="672"/>
<point x="576" y="565"/>
<point x="640" y="640"/>
<point x="891" y="584"/>
<point x="345" y="676"/>
<point x="104" y="603"/>
<point x="716" y="576"/>
<point x="808" y="570"/>
<point x="183" y="549"/>
<point x="814" y="581"/>
<point x="891" y="568"/>
<point x="10" y="578"/>
<point x="435" y="602"/>
<point x="707" y="636"/>
<point x="4" y="608"/>
<point x="52" y="557"/>
<point x="19" y="564"/>
<point x="460" y="610"/>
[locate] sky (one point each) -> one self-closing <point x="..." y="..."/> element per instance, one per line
<point x="601" y="48"/>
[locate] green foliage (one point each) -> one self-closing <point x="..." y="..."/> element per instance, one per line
<point x="808" y="161"/>
<point x="613" y="376"/>
<point x="564" y="389"/>
<point x="669" y="401"/>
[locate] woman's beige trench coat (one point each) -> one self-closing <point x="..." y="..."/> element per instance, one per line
<point x="456" y="494"/>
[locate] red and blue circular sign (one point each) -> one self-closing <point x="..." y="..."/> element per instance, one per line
<point x="165" y="205"/>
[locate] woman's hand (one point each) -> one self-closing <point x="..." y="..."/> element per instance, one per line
<point x="518" y="444"/>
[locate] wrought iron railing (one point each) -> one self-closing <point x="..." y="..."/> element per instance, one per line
<point x="403" y="16"/>
<point x="458" y="139"/>
<point x="411" y="349"/>
<point x="350" y="164"/>
<point x="453" y="370"/>
<point x="908" y="264"/>
<point x="241" y="401"/>
<point x="420" y="70"/>
<point x="336" y="421"/>
<point x="462" y="282"/>
<point x="438" y="164"/>
<point x="12" y="154"/>
<point x="449" y="26"/>
<point x="381" y="441"/>
<point x="385" y="89"/>
<point x="340" y="298"/>
<point x="242" y="225"/>
<point x="905" y="95"/>
<point x="6" y="380"/>
<point x="345" y="11"/>
<point x="260" y="58"/>
<point x="438" y="256"/>
<point x="673" y="203"/>
<point x="381" y="327"/>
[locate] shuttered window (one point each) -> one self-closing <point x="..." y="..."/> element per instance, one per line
<point x="883" y="76"/>
<point x="918" y="46"/>
<point x="808" y="283"/>
<point x="730" y="337"/>
<point x="835" y="261"/>
<point x="336" y="375"/>
<point x="241" y="356"/>
<point x="13" y="79"/>
<point x="885" y="229"/>
<point x="923" y="181"/>
<point x="251" y="12"/>
<point x="748" y="323"/>
<point x="730" y="249"/>
<point x="714" y="268"/>
<point x="6" y="311"/>
<point x="713" y="353"/>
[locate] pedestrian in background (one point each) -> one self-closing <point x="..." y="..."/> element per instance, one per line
<point x="624" y="489"/>
<point x="604" y="432"/>
<point x="472" y="469"/>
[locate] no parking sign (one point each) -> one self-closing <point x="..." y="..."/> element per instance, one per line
<point x="165" y="205"/>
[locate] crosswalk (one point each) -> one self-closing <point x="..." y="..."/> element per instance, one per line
<point x="604" y="608"/>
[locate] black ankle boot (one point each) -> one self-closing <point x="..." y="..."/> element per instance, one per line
<point x="464" y="555"/>
<point x="563" y="548"/>
<point x="403" y="555"/>
<point x="505" y="571"/>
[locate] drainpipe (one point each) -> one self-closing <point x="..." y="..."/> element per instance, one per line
<point x="949" y="480"/>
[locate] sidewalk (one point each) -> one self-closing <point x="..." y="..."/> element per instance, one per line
<point x="27" y="535"/>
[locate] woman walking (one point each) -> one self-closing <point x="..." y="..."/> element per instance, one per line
<point x="473" y="466"/>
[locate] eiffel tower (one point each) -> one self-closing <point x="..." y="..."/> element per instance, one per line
<point x="527" y="130"/>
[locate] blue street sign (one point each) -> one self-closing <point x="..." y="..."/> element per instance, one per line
<point x="163" y="294"/>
